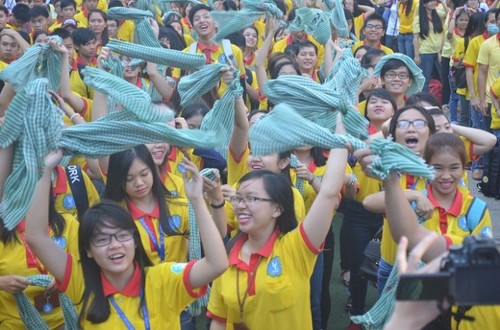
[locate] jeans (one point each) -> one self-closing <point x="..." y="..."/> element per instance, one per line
<point x="405" y="45"/>
<point x="384" y="270"/>
<point x="445" y="82"/>
<point x="187" y="321"/>
<point x="326" y="303"/>
<point x="316" y="282"/>
<point x="361" y="226"/>
<point x="453" y="105"/>
<point x="465" y="111"/>
<point x="427" y="63"/>
<point x="389" y="41"/>
<point x="482" y="122"/>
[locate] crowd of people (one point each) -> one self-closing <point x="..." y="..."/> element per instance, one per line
<point x="122" y="244"/>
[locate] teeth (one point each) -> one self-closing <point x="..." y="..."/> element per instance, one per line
<point x="116" y="256"/>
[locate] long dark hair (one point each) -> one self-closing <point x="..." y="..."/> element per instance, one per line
<point x="408" y="4"/>
<point x="475" y="27"/>
<point x="56" y="223"/>
<point x="104" y="35"/>
<point x="119" y="165"/>
<point x="105" y="214"/>
<point x="424" y="22"/>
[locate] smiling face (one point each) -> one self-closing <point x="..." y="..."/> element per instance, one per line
<point x="379" y="109"/>
<point x="307" y="58"/>
<point x="449" y="170"/>
<point x="116" y="258"/>
<point x="374" y="30"/>
<point x="250" y="37"/>
<point x="412" y="137"/>
<point x="462" y="21"/>
<point x="260" y="216"/>
<point x="397" y="81"/>
<point x="158" y="151"/>
<point x="269" y="162"/>
<point x="203" y="23"/>
<point x="139" y="181"/>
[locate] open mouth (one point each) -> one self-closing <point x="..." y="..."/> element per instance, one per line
<point x="243" y="218"/>
<point x="411" y="142"/>
<point x="117" y="256"/>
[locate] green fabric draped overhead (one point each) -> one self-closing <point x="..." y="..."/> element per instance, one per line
<point x="296" y="131"/>
<point x="199" y="82"/>
<point x="314" y="21"/>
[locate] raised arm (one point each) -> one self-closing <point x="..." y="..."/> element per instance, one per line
<point x="481" y="88"/>
<point x="319" y="217"/>
<point x="263" y="52"/>
<point x="482" y="140"/>
<point x="37" y="222"/>
<point x="215" y="261"/>
<point x="159" y="82"/>
<point x="239" y="138"/>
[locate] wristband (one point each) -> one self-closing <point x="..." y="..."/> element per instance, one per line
<point x="218" y="206"/>
<point x="73" y="116"/>
<point x="311" y="179"/>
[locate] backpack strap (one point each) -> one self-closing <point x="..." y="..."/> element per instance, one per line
<point x="78" y="189"/>
<point x="475" y="213"/>
<point x="228" y="52"/>
<point x="80" y="67"/>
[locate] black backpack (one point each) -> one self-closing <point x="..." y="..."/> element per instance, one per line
<point x="490" y="184"/>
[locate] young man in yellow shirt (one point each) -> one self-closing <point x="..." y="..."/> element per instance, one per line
<point x="373" y="30"/>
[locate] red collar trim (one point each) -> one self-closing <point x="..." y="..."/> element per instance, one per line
<point x="74" y="65"/>
<point x="249" y="60"/>
<point x="213" y="48"/>
<point x="80" y="60"/>
<point x="61" y="187"/>
<point x="132" y="289"/>
<point x="372" y="129"/>
<point x="289" y="39"/>
<point x="379" y="46"/>
<point x="265" y="251"/>
<point x="485" y="35"/>
<point x="137" y="213"/>
<point x="85" y="11"/>
<point x="457" y="32"/>
<point x="138" y="83"/>
<point x="312" y="166"/>
<point x="498" y="35"/>
<point x="187" y="22"/>
<point x="456" y="206"/>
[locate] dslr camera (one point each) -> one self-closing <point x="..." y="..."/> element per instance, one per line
<point x="469" y="276"/>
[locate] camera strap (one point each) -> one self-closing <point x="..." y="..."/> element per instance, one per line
<point x="460" y="314"/>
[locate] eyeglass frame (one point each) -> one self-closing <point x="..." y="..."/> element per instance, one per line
<point x="411" y="122"/>
<point x="236" y="200"/>
<point x="396" y="74"/>
<point x="110" y="236"/>
<point x="374" y="27"/>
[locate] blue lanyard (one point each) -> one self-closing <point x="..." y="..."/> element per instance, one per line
<point x="161" y="247"/>
<point x="124" y="318"/>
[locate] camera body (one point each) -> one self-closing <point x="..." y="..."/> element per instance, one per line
<point x="469" y="276"/>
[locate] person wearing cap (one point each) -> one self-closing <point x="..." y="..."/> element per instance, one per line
<point x="400" y="76"/>
<point x="69" y="24"/>
<point x="204" y="26"/>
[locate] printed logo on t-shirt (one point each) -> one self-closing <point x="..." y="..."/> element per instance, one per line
<point x="462" y="223"/>
<point x="60" y="241"/>
<point x="222" y="59"/>
<point x="177" y="268"/>
<point x="274" y="267"/>
<point x="486" y="232"/>
<point x="69" y="202"/>
<point x="174" y="193"/>
<point x="174" y="222"/>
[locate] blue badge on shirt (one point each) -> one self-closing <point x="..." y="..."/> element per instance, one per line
<point x="174" y="222"/>
<point x="177" y="268"/>
<point x="274" y="267"/>
<point x="69" y="202"/>
<point x="174" y="193"/>
<point x="486" y="232"/>
<point x="60" y="241"/>
<point x="222" y="59"/>
<point x="462" y="223"/>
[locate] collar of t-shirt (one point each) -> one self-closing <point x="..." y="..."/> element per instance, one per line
<point x="132" y="289"/>
<point x="456" y="206"/>
<point x="265" y="251"/>
<point x="137" y="213"/>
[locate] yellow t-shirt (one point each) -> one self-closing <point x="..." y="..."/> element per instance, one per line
<point x="470" y="57"/>
<point x="174" y="247"/>
<point x="406" y="22"/>
<point x="383" y="48"/>
<point x="388" y="247"/>
<point x="280" y="290"/>
<point x="458" y="55"/>
<point x="64" y="200"/>
<point x="495" y="89"/>
<point x="218" y="56"/>
<point x="126" y="31"/>
<point x="15" y="260"/>
<point x="488" y="55"/>
<point x="167" y="292"/>
<point x="432" y="43"/>
<point x="358" y="22"/>
<point x="280" y="46"/>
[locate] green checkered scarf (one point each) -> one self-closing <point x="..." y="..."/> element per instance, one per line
<point x="335" y="9"/>
<point x="149" y="5"/>
<point x="299" y="183"/>
<point x="220" y="118"/>
<point x="34" y="123"/>
<point x="175" y="58"/>
<point x="316" y="102"/>
<point x="232" y="21"/>
<point x="39" y="61"/>
<point x="295" y="131"/>
<point x="346" y="76"/>
<point x="30" y="316"/>
<point x="418" y="77"/>
<point x="199" y="82"/>
<point x="313" y="21"/>
<point x="120" y="13"/>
